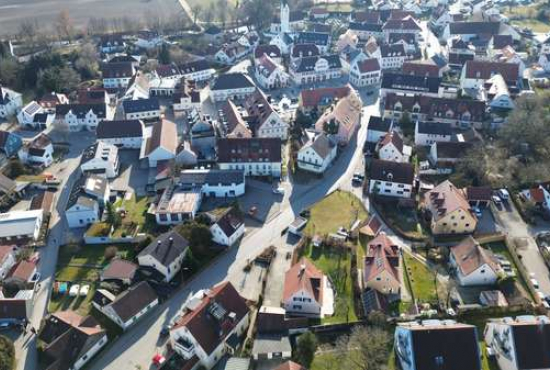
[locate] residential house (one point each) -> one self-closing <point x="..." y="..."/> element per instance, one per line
<point x="407" y="84"/>
<point x="449" y="210"/>
<point x="228" y="228"/>
<point x="198" y="70"/>
<point x="343" y="118"/>
<point x="113" y="43"/>
<point x="26" y="115"/>
<point x="460" y="113"/>
<point x="142" y="109"/>
<point x="347" y="42"/>
<point x="101" y="159"/>
<point x="95" y="95"/>
<point x="313" y="69"/>
<point x="520" y="343"/>
<point x="317" y="154"/>
<point x="139" y="87"/>
<point x="365" y="73"/>
<point x="307" y="291"/>
<point x="231" y="86"/>
<point x="131" y="305"/>
<point x="315" y="101"/>
<point x="407" y="41"/>
<point x="392" y="56"/>
<point x="213" y="182"/>
<point x="381" y="265"/>
<point x="392" y="148"/>
<point x="270" y="74"/>
<point x="255" y="156"/>
<point x="437" y="344"/>
<point x="161" y="144"/>
<point x="230" y="54"/>
<point x="10" y="143"/>
<point x="538" y="196"/>
<point x="378" y="127"/>
<point x="210" y="326"/>
<point x="391" y="179"/>
<point x="321" y="40"/>
<point x="80" y="117"/>
<point x="20" y="226"/>
<point x="127" y="134"/>
<point x="70" y="340"/>
<point x="303" y="50"/>
<point x="424" y="68"/>
<point x="165" y="254"/>
<point x="186" y="97"/>
<point x="86" y="201"/>
<point x="447" y="154"/>
<point x="117" y="75"/>
<point x="428" y="132"/>
<point x="473" y="264"/>
<point x="498" y="95"/>
<point x="10" y="102"/>
<point x="38" y="152"/>
<point x="459" y="52"/>
<point x="365" y="30"/>
<point x="475" y="73"/>
<point x="272" y="51"/>
<point x="404" y="25"/>
<point x="119" y="271"/>
<point x="467" y="31"/>
<point x="8" y="259"/>
<point x="49" y="101"/>
<point x="147" y="39"/>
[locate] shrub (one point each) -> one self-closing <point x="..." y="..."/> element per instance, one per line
<point x="110" y="252"/>
<point x="7" y="354"/>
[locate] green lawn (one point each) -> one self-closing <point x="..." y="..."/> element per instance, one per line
<point x="534" y="24"/>
<point x="336" y="265"/>
<point x="421" y="279"/>
<point x="136" y="212"/>
<point x="99" y="229"/>
<point x="7" y="353"/>
<point x="338" y="209"/>
<point x="81" y="305"/>
<point x="403" y="219"/>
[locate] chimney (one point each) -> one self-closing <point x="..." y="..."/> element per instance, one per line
<point x="171" y="241"/>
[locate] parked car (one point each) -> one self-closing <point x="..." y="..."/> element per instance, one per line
<point x="535" y="283"/>
<point x="503" y="194"/>
<point x="497" y="200"/>
<point x="478" y="212"/>
<point x="280" y="190"/>
<point x="73" y="292"/>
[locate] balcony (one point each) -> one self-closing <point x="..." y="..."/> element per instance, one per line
<point x="185" y="347"/>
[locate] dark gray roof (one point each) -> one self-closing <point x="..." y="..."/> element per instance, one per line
<point x="379" y="124"/>
<point x="80" y="110"/>
<point x="434" y="128"/>
<point x="392" y="50"/>
<point x="119" y="129"/>
<point x="410" y="83"/>
<point x="402" y="173"/>
<point x="232" y="81"/>
<point x="367" y="27"/>
<point x="166" y="248"/>
<point x="452" y="149"/>
<point x="214" y="177"/>
<point x="316" y="38"/>
<point x="230" y="222"/>
<point x="194" y="66"/>
<point x="308" y="63"/>
<point x="474" y="28"/>
<point x="141" y="105"/>
<point x="532" y="343"/>
<point x="133" y="300"/>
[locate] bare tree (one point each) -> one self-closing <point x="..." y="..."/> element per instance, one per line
<point x="28" y="31"/>
<point x="97" y="26"/>
<point x="222" y="9"/>
<point x="196" y="12"/>
<point x="367" y="348"/>
<point x="64" y="25"/>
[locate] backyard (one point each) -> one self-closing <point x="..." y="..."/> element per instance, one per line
<point x="528" y="16"/>
<point x="62" y="302"/>
<point x="339" y="209"/>
<point x="135" y="211"/>
<point x="421" y="280"/>
<point x="402" y="219"/>
<point x="336" y="264"/>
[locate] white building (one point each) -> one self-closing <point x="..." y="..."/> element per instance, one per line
<point x="198" y="70"/>
<point x="161" y="143"/>
<point x="520" y="343"/>
<point x="20" y="225"/>
<point x="392" y="148"/>
<point x="391" y="179"/>
<point x="25" y="117"/>
<point x="37" y="153"/>
<point x="231" y="86"/>
<point x="80" y="117"/>
<point x="10" y="102"/>
<point x="142" y="109"/>
<point x="208" y="320"/>
<point x="269" y="74"/>
<point x="100" y="158"/>
<point x="255" y="156"/>
<point x="165" y="254"/>
<point x="117" y="75"/>
<point x="307" y="291"/>
<point x="392" y="56"/>
<point x="86" y="200"/>
<point x="316" y="69"/>
<point x="8" y="258"/>
<point x="317" y="154"/>
<point x="228" y="228"/>
<point x="214" y="183"/>
<point x="428" y="132"/>
<point x="474" y="265"/>
<point x="127" y="134"/>
<point x="365" y="72"/>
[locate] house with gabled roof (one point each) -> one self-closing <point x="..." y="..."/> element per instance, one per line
<point x="391" y="179"/>
<point x="231" y="86"/>
<point x="126" y="134"/>
<point x="38" y="152"/>
<point x="437" y="344"/>
<point x="10" y="143"/>
<point x="473" y="264"/>
<point x="142" y="109"/>
<point x="165" y="254"/>
<point x="197" y="70"/>
<point x="307" y="291"/>
<point x="392" y="148"/>
<point x="392" y="56"/>
<point x="86" y="201"/>
<point x="476" y="73"/>
<point x="317" y="154"/>
<point x="210" y="325"/>
<point x="449" y="210"/>
<point x="120" y="271"/>
<point x="255" y="156"/>
<point x="131" y="305"/>
<point x="8" y="258"/>
<point x="228" y="228"/>
<point x="269" y="73"/>
<point x="316" y="100"/>
<point x="80" y="117"/>
<point x="161" y="144"/>
<point x="117" y="75"/>
<point x="381" y="265"/>
<point x="10" y="102"/>
<point x="405" y="25"/>
<point x="313" y="69"/>
<point x="100" y="158"/>
<point x="70" y="340"/>
<point x="365" y="72"/>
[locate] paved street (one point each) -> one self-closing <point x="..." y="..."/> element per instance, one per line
<point x="137" y="346"/>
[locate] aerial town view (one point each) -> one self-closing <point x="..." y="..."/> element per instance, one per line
<point x="275" y="184"/>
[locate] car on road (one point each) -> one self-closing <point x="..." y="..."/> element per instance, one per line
<point x="535" y="283"/>
<point x="497" y="200"/>
<point x="478" y="212"/>
<point x="280" y="190"/>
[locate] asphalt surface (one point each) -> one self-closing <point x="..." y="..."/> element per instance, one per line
<point x="12" y="12"/>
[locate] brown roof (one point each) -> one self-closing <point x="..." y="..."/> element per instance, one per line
<point x="483" y="193"/>
<point x="366" y="16"/>
<point x="24" y="270"/>
<point x="421" y="68"/>
<point x="5" y="250"/>
<point x="394" y="138"/>
<point x="290" y="365"/>
<point x="165" y="135"/>
<point x="406" y="23"/>
<point x="119" y="269"/>
<point x="43" y="201"/>
<point x="372" y="226"/>
<point x="368" y="65"/>
<point x="382" y="255"/>
<point x="304" y="276"/>
<point x="485" y="70"/>
<point x="304" y="50"/>
<point x="249" y="150"/>
<point x="204" y="326"/>
<point x="446" y="198"/>
<point x="469" y="256"/>
<point x="323" y="96"/>
<point x="236" y="126"/>
<point x="271" y="50"/>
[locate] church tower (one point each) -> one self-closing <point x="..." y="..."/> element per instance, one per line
<point x="285" y="16"/>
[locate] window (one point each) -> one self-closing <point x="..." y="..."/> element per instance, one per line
<point x="297" y="307"/>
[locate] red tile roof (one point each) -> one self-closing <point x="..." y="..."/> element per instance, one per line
<point x="290" y="365"/>
<point x="368" y="65"/>
<point x="382" y="255"/>
<point x="314" y="97"/>
<point x="304" y="276"/>
<point x="469" y="256"/>
<point x="24" y="270"/>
